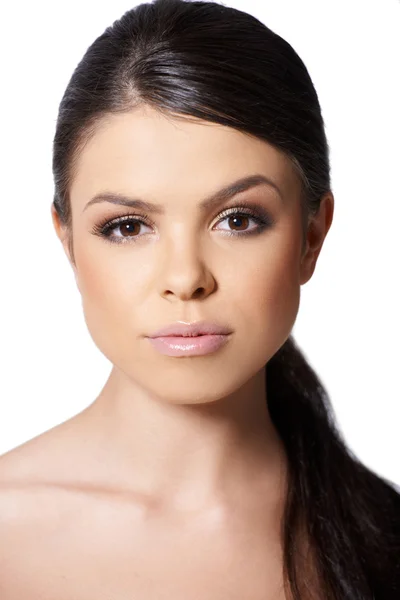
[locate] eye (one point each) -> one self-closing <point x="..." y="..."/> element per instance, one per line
<point x="239" y="217"/>
<point x="121" y="229"/>
<point x="127" y="228"/>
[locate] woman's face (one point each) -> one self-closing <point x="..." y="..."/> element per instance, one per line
<point x="180" y="263"/>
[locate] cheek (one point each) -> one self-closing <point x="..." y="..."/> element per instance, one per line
<point x="275" y="290"/>
<point x="108" y="286"/>
<point x="270" y="297"/>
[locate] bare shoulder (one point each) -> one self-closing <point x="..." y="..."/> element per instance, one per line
<point x="34" y="479"/>
<point x="46" y="457"/>
<point x="52" y="482"/>
<point x="40" y="508"/>
<point x="24" y="471"/>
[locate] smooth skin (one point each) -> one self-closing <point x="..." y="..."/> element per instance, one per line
<point x="171" y="483"/>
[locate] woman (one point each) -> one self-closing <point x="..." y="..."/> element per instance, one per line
<point x="193" y="197"/>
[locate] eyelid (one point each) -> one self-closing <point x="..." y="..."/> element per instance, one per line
<point x="242" y="205"/>
<point x="252" y="209"/>
<point x="249" y="208"/>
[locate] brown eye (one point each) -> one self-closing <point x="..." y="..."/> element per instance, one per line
<point x="125" y="227"/>
<point x="240" y="222"/>
<point x="129" y="228"/>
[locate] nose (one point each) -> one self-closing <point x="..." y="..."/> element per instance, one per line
<point x="185" y="273"/>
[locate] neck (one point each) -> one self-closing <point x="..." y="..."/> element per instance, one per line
<point x="186" y="456"/>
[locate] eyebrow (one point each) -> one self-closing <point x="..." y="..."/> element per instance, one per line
<point x="240" y="185"/>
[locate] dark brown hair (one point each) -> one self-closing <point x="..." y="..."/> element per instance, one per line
<point x="208" y="61"/>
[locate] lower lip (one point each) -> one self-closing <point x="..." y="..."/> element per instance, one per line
<point x="189" y="346"/>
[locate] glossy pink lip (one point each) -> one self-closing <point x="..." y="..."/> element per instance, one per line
<point x="189" y="346"/>
<point x="199" y="328"/>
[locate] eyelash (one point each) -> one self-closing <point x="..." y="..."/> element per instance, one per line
<point x="105" y="227"/>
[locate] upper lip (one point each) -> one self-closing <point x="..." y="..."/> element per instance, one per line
<point x="188" y="329"/>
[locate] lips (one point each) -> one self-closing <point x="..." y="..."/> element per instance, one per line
<point x="195" y="345"/>
<point x="187" y="335"/>
<point x="197" y="329"/>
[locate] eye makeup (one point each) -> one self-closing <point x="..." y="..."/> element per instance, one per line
<point x="106" y="227"/>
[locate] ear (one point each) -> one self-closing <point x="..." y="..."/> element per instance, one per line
<point x="65" y="238"/>
<point x="317" y="230"/>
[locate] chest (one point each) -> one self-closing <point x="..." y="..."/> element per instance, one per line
<point x="115" y="557"/>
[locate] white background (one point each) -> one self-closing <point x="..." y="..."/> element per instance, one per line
<point x="348" y="324"/>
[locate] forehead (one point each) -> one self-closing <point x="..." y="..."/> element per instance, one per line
<point x="161" y="156"/>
